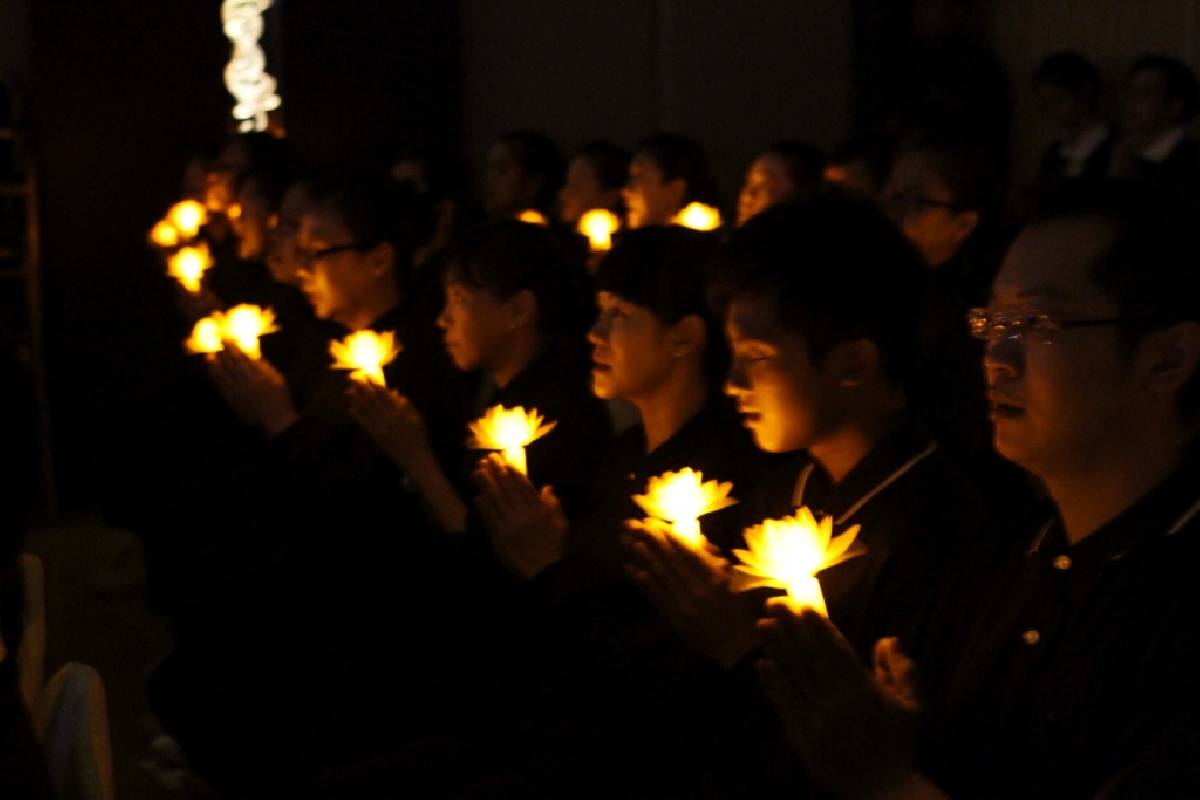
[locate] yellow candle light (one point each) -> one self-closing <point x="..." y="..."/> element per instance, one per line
<point x="188" y="264"/>
<point x="599" y="225"/>
<point x="234" y="211"/>
<point x="244" y="324"/>
<point x="164" y="234"/>
<point x="365" y="353"/>
<point x="206" y="335"/>
<point x="187" y="217"/>
<point x="681" y="498"/>
<point x="698" y="217"/>
<point x="509" y="430"/>
<point x="788" y="553"/>
<point x="533" y="217"/>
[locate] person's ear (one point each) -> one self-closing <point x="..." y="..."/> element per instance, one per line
<point x="382" y="259"/>
<point x="686" y="336"/>
<point x="853" y="363"/>
<point x="965" y="223"/>
<point x="522" y="309"/>
<point x="1167" y="359"/>
<point x="678" y="189"/>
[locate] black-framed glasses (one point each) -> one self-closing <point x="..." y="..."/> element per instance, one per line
<point x="1038" y="327"/>
<point x="308" y="257"/>
<point x="908" y="203"/>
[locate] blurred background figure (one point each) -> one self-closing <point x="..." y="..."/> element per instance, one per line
<point x="524" y="171"/>
<point x="596" y="176"/>
<point x="667" y="172"/>
<point x="784" y="171"/>
<point x="1068" y="92"/>
<point x="1160" y="97"/>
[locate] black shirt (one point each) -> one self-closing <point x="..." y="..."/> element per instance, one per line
<point x="1068" y="668"/>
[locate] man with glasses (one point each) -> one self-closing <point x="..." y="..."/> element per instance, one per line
<point x="1064" y="669"/>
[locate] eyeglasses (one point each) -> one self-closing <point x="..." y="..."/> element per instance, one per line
<point x="908" y="203"/>
<point x="308" y="257"/>
<point x="1037" y="328"/>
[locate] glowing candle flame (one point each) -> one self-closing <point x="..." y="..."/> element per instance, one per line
<point x="244" y="324"/>
<point x="164" y="234"/>
<point x="599" y="225"/>
<point x="788" y="553"/>
<point x="698" y="217"/>
<point x="509" y="430"/>
<point x="366" y="353"/>
<point x="681" y="498"/>
<point x="187" y="217"/>
<point x="533" y="217"/>
<point x="187" y="265"/>
<point x="206" y="335"/>
<point x="234" y="211"/>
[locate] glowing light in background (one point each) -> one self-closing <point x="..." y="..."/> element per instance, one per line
<point x="698" y="217"/>
<point x="246" y="78"/>
<point x="599" y="225"/>
<point x="188" y="265"/>
<point x="187" y="216"/>
<point x="533" y="217"/>
<point x="206" y="335"/>
<point x="244" y="324"/>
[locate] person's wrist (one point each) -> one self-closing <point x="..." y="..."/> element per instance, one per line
<point x="280" y="421"/>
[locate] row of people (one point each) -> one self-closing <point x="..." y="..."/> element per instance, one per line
<point x="364" y="594"/>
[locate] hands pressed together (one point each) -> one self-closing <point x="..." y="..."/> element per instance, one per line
<point x="527" y="526"/>
<point x="256" y="392"/>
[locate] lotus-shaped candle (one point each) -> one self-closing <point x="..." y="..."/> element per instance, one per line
<point x="599" y="225"/>
<point x="681" y="498"/>
<point x="164" y="234"/>
<point x="533" y="217"/>
<point x="244" y="324"/>
<point x="698" y="217"/>
<point x="206" y="335"/>
<point x="509" y="430"/>
<point x="187" y="217"/>
<point x="188" y="265"/>
<point x="365" y="353"/>
<point x="788" y="553"/>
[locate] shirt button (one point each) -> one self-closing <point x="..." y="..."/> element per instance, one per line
<point x="1062" y="563"/>
<point x="1031" y="637"/>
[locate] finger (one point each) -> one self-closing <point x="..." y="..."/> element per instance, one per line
<point x="789" y="701"/>
<point x="674" y="596"/>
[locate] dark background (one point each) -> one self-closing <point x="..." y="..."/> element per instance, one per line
<point x="119" y="93"/>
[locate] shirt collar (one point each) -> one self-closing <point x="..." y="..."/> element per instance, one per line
<point x="1082" y="146"/>
<point x="1158" y="150"/>
<point x="903" y="449"/>
<point x="1164" y="511"/>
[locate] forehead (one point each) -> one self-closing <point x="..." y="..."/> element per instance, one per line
<point x="769" y="165"/>
<point x="915" y="168"/>
<point x="322" y="223"/>
<point x="644" y="166"/>
<point x="753" y="315"/>
<point x="1053" y="261"/>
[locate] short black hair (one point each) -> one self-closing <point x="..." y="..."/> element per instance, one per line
<point x="375" y="209"/>
<point x="968" y="172"/>
<point x="662" y="268"/>
<point x="681" y="157"/>
<point x="610" y="162"/>
<point x="1071" y="72"/>
<point x="835" y="270"/>
<point x="1180" y="80"/>
<point x="805" y="163"/>
<point x="509" y="256"/>
<point x="1149" y="268"/>
<point x="539" y="158"/>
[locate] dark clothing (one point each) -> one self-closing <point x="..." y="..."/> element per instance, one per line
<point x="314" y="569"/>
<point x="1055" y="170"/>
<point x="948" y="390"/>
<point x="1177" y="174"/>
<point x="621" y="694"/>
<point x="917" y="516"/>
<point x="1069" y="668"/>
